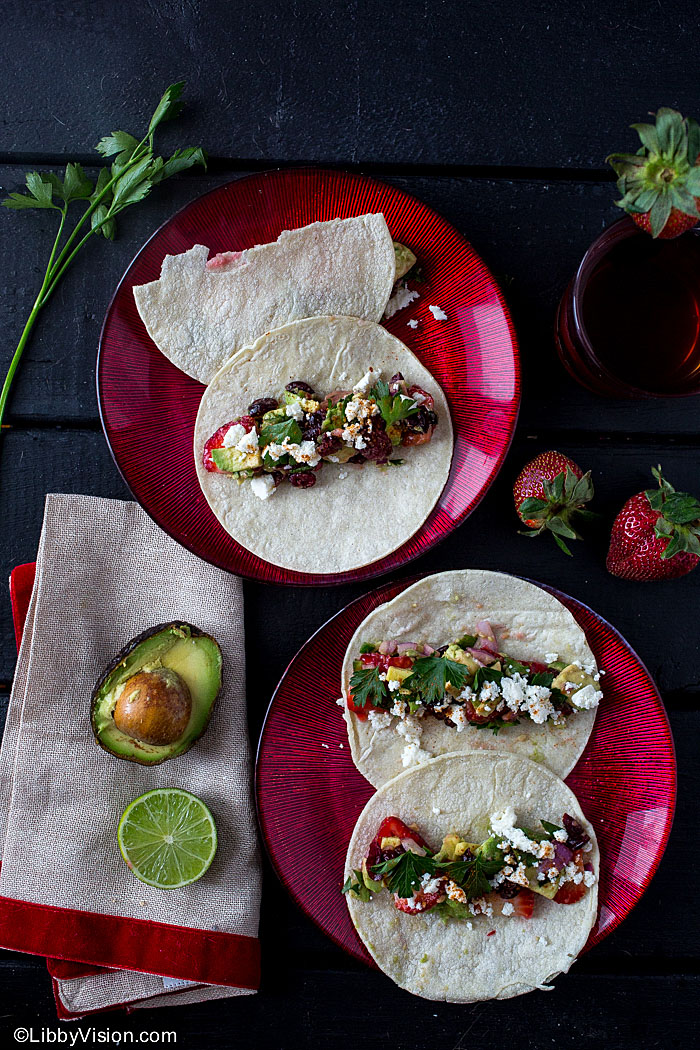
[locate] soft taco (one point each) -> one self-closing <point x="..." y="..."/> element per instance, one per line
<point x="201" y="311"/>
<point x="324" y="445"/>
<point x="473" y="877"/>
<point x="468" y="660"/>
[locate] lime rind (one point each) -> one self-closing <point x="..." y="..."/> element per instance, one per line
<point x="167" y="838"/>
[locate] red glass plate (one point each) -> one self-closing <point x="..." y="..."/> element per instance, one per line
<point x="473" y="355"/>
<point x="309" y="793"/>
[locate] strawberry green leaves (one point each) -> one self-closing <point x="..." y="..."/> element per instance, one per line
<point x="679" y="517"/>
<point x="550" y="492"/>
<point x="661" y="182"/>
<point x="134" y="171"/>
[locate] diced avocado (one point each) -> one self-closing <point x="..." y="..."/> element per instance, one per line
<point x="405" y="259"/>
<point x="394" y="433"/>
<point x="372" y="884"/>
<point x="156" y="697"/>
<point x="572" y="676"/>
<point x="453" y="847"/>
<point x="231" y="460"/>
<point x="397" y="674"/>
<point x="545" y="889"/>
<point x="390" y="842"/>
<point x="292" y="398"/>
<point x="275" y="415"/>
<point x="459" y="656"/>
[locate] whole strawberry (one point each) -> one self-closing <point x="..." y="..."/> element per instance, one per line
<point x="549" y="491"/>
<point x="656" y="535"/>
<point x="660" y="183"/>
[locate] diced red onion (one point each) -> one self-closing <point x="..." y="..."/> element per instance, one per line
<point x="428" y="650"/>
<point x="388" y="648"/>
<point x="482" y="656"/>
<point x="562" y="856"/>
<point x="403" y="647"/>
<point x="485" y="630"/>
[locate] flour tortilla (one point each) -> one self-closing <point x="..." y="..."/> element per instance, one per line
<point x="199" y="318"/>
<point x="354" y="514"/>
<point x="449" y="961"/>
<point x="529" y="623"/>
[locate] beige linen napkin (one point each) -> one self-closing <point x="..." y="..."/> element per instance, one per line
<point x="106" y="572"/>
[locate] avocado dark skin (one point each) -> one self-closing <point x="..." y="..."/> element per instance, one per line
<point x="155" y="698"/>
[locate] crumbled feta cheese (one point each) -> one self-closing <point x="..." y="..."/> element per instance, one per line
<point x="401" y="298"/>
<point x="367" y="382"/>
<point x="543" y="941"/>
<point x="438" y="313"/>
<point x="503" y="824"/>
<point x="588" y="878"/>
<point x="399" y="708"/>
<point x="360" y="408"/>
<point x="587" y="697"/>
<point x="412" y="753"/>
<point x="343" y="474"/>
<point x="429" y="884"/>
<point x="248" y="443"/>
<point x="412" y="323"/>
<point x="561" y="836"/>
<point x="263" y="487"/>
<point x="393" y="686"/>
<point x="551" y="658"/>
<point x="295" y="410"/>
<point x="588" y="847"/>
<point x="480" y="906"/>
<point x="457" y="715"/>
<point x="303" y="453"/>
<point x="507" y="908"/>
<point x="455" y="892"/>
<point x="513" y="690"/>
<point x="537" y="703"/>
<point x="233" y="435"/>
<point x="379" y="719"/>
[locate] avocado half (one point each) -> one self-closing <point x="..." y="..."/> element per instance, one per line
<point x="183" y="665"/>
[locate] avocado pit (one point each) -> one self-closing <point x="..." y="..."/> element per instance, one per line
<point x="154" y="707"/>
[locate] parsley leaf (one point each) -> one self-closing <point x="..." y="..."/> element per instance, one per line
<point x="366" y="685"/>
<point x="368" y="647"/>
<point x="486" y="674"/>
<point x="393" y="408"/>
<point x="543" y="678"/>
<point x="495" y="725"/>
<point x="467" y="641"/>
<point x="404" y="873"/>
<point x="431" y="674"/>
<point x="275" y="433"/>
<point x="550" y="828"/>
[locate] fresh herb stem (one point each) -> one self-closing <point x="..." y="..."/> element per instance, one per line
<point x="117" y="187"/>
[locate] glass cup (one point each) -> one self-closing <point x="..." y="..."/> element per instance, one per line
<point x="628" y="325"/>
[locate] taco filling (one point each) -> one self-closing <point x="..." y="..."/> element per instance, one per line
<point x="290" y="437"/>
<point x="466" y="683"/>
<point x="504" y="875"/>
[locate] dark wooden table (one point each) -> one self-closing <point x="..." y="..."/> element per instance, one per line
<point x="500" y="117"/>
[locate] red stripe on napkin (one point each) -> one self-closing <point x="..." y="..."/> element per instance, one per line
<point x="204" y="956"/>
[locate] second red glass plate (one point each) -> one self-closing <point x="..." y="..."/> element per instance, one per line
<point x="309" y="793"/>
<point x="148" y="407"/>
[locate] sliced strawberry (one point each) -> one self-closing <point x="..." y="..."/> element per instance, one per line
<point x="217" y="441"/>
<point x="428" y="400"/>
<point x="524" y="904"/>
<point x="419" y="903"/>
<point x="394" y="827"/>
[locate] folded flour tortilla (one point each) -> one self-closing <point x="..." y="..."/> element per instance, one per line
<point x="528" y="622"/>
<point x="354" y="514"/>
<point x="449" y="960"/>
<point x="199" y="317"/>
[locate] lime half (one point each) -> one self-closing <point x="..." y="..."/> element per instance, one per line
<point x="167" y="838"/>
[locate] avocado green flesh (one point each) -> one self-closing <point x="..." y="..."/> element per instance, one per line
<point x="198" y="662"/>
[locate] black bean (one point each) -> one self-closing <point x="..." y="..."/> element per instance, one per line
<point x="303" y="480"/>
<point x="508" y="890"/>
<point x="261" y="406"/>
<point x="396" y="383"/>
<point x="297" y="387"/>
<point x="328" y="445"/>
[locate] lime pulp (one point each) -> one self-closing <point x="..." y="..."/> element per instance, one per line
<point x="167" y="837"/>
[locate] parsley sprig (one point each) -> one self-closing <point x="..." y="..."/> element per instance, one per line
<point x="128" y="179"/>
<point x="430" y="675"/>
<point x="367" y="685"/>
<point x="404" y="873"/>
<point x="392" y="407"/>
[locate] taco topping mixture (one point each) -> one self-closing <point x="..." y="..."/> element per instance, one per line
<point x="290" y="437"/>
<point x="501" y="876"/>
<point x="466" y="683"/>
